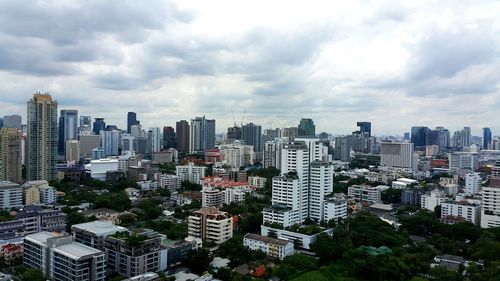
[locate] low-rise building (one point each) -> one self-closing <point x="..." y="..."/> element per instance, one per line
<point x="276" y="248"/>
<point x="257" y="182"/>
<point x="211" y="224"/>
<point x="335" y="208"/>
<point x="61" y="259"/>
<point x="190" y="172"/>
<point x="403" y="183"/>
<point x="412" y="196"/>
<point x="217" y="191"/>
<point x="39" y="192"/>
<point x="430" y="201"/>
<point x="99" y="167"/>
<point x="11" y="195"/>
<point x="463" y="209"/>
<point x="300" y="240"/>
<point x="36" y="219"/>
<point x="364" y="193"/>
<point x="94" y="233"/>
<point x="171" y="182"/>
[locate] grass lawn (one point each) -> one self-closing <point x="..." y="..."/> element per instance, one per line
<point x="311" y="276"/>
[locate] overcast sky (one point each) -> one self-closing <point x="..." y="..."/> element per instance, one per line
<point x="337" y="62"/>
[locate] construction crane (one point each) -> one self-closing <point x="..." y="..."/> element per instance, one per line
<point x="234" y="119"/>
<point x="243" y="117"/>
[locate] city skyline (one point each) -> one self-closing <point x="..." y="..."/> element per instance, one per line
<point x="395" y="64"/>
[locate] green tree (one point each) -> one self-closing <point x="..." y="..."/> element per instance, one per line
<point x="33" y="275"/>
<point x="198" y="260"/>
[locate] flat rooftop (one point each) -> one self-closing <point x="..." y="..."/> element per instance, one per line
<point x="41" y="237"/>
<point x="76" y="250"/>
<point x="100" y="228"/>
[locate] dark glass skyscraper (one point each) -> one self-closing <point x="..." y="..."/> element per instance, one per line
<point x="486" y="137"/>
<point x="419" y="135"/>
<point x="182" y="136"/>
<point x="252" y="135"/>
<point x="168" y="137"/>
<point x="365" y="128"/>
<point x="99" y="125"/>
<point x="306" y="128"/>
<point x="68" y="128"/>
<point x="131" y="120"/>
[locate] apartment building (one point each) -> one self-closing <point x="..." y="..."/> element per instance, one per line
<point x="94" y="233"/>
<point x="211" y="224"/>
<point x="11" y="195"/>
<point x="364" y="193"/>
<point x="257" y="182"/>
<point x="463" y="209"/>
<point x="190" y="172"/>
<point x="275" y="248"/>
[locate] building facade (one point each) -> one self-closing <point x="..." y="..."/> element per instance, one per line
<point x="10" y="154"/>
<point x="210" y="224"/>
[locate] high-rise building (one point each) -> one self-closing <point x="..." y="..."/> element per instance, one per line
<point x="233" y="133"/>
<point x="87" y="143"/>
<point x="462" y="138"/>
<point x="202" y="134"/>
<point x="10" y="154"/>
<point x="306" y="128"/>
<point x="68" y="128"/>
<point x="85" y="123"/>
<point x="251" y="134"/>
<point x="72" y="151"/>
<point x="99" y="125"/>
<point x="12" y="121"/>
<point x="486" y="138"/>
<point x="419" y="136"/>
<point x="42" y="137"/>
<point x="110" y="142"/>
<point x="365" y="128"/>
<point x="154" y="140"/>
<point x="131" y="121"/>
<point x="490" y="210"/>
<point x="321" y="185"/>
<point x="272" y="153"/>
<point x="237" y="155"/>
<point x="182" y="136"/>
<point x="168" y="137"/>
<point x="397" y="155"/>
<point x="472" y="183"/>
<point x="343" y="146"/>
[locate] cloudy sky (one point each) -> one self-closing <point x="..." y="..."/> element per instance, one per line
<point x="394" y="64"/>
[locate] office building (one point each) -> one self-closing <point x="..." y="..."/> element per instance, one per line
<point x="131" y="121"/>
<point x="233" y="134"/>
<point x="94" y="233"/>
<point x="72" y="151"/>
<point x="412" y="196"/>
<point x="85" y="123"/>
<point x="42" y="138"/>
<point x="202" y="134"/>
<point x="397" y="155"/>
<point x="190" y="172"/>
<point x="365" y="128"/>
<point x="237" y="155"/>
<point x="11" y="195"/>
<point x="451" y="210"/>
<point x="99" y="168"/>
<point x="461" y="138"/>
<point x="486" y="138"/>
<point x="37" y="219"/>
<point x="289" y="133"/>
<point x="10" y="154"/>
<point x="61" y="259"/>
<point x="168" y="137"/>
<point x="343" y="148"/>
<point x="306" y="128"/>
<point x="87" y="143"/>
<point x="419" y="136"/>
<point x="110" y="142"/>
<point x="210" y="224"/>
<point x="272" y="247"/>
<point x="154" y="140"/>
<point x="99" y="125"/>
<point x="182" y="136"/>
<point x="463" y="162"/>
<point x="68" y="128"/>
<point x="132" y="254"/>
<point x="251" y="134"/>
<point x="12" y="121"/>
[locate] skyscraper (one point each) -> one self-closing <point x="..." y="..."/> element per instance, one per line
<point x="99" y="125"/>
<point x="202" y="134"/>
<point x="10" y="154"/>
<point x="419" y="136"/>
<point x="486" y="137"/>
<point x="68" y="128"/>
<point x="110" y="141"/>
<point x="182" y="136"/>
<point x="365" y="128"/>
<point x="85" y="123"/>
<point x="306" y="128"/>
<point x="397" y="155"/>
<point x="12" y="121"/>
<point x="42" y="137"/>
<point x="168" y="137"/>
<point x="154" y="140"/>
<point x="233" y="133"/>
<point x="252" y="135"/>
<point x="131" y="120"/>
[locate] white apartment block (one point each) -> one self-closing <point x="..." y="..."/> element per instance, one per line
<point x="61" y="259"/>
<point x="470" y="212"/>
<point x="237" y="155"/>
<point x="321" y="185"/>
<point x="257" y="182"/>
<point x="276" y="248"/>
<point x="272" y="153"/>
<point x="364" y="193"/>
<point x="212" y="197"/>
<point x="11" y="195"/>
<point x="190" y="172"/>
<point x="490" y="213"/>
<point x="210" y="224"/>
<point x="217" y="191"/>
<point x="472" y="183"/>
<point x="335" y="209"/>
<point x="430" y="201"/>
<point x="169" y="181"/>
<point x="462" y="162"/>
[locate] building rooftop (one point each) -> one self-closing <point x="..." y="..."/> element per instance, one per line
<point x="8" y="184"/>
<point x="41" y="237"/>
<point x="76" y="250"/>
<point x="266" y="239"/>
<point x="99" y="228"/>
